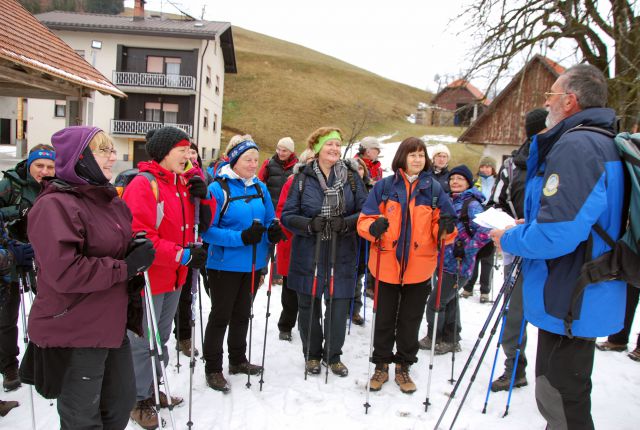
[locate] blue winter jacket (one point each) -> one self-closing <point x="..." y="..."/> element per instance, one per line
<point x="226" y="250"/>
<point x="574" y="180"/>
<point x="472" y="244"/>
<point x="298" y="211"/>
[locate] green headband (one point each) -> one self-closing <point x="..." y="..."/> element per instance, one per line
<point x="334" y="135"/>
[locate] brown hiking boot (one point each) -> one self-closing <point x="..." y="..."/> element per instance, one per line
<point x="338" y="368"/>
<point x="404" y="380"/>
<point x="635" y="354"/>
<point x="466" y="294"/>
<point x="164" y="402"/>
<point x="312" y="367"/>
<point x="504" y="381"/>
<point x="246" y="368"/>
<point x="357" y="319"/>
<point x="380" y="376"/>
<point x="144" y="414"/>
<point x="11" y="380"/>
<point x="185" y="347"/>
<point x="610" y="346"/>
<point x="5" y="407"/>
<point x="217" y="382"/>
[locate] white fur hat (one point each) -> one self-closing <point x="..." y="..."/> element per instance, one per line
<point x="287" y="143"/>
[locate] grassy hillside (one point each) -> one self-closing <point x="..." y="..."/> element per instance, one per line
<point x="284" y="89"/>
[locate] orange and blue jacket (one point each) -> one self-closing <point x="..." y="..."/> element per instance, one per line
<point x="408" y="249"/>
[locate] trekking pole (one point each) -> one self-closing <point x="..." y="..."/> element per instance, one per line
<point x="25" y="338"/>
<point x="435" y="322"/>
<point x="523" y="325"/>
<point x="177" y="340"/>
<point x="195" y="285"/>
<point x="206" y="280"/>
<point x="373" y="325"/>
<point x="266" y="320"/>
<point x="314" y="287"/>
<point x="334" y="240"/>
<point x="514" y="272"/>
<point x="455" y="316"/>
<point x="495" y="358"/>
<point x="254" y="250"/>
<point x="365" y="280"/>
<point x="155" y="347"/>
<point x="355" y="286"/>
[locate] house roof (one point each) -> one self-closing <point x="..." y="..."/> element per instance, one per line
<point x="554" y="68"/>
<point x="158" y="27"/>
<point x="34" y="62"/>
<point x="462" y="83"/>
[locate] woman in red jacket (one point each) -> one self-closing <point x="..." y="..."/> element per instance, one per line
<point x="167" y="216"/>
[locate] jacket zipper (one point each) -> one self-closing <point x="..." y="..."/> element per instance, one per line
<point x="404" y="237"/>
<point x="184" y="228"/>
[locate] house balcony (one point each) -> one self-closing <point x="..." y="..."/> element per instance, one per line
<point x="122" y="127"/>
<point x="153" y="83"/>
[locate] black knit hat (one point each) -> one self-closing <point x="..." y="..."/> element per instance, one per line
<point x="534" y="121"/>
<point x="162" y="140"/>
<point x="463" y="171"/>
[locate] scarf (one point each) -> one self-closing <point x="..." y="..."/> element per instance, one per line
<point x="333" y="201"/>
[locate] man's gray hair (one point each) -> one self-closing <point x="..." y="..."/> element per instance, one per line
<point x="588" y="83"/>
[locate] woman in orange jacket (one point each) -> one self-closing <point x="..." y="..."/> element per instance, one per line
<point x="405" y="216"/>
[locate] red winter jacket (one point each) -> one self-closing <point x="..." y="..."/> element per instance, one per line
<point x="374" y="168"/>
<point x="176" y="213"/>
<point x="284" y="246"/>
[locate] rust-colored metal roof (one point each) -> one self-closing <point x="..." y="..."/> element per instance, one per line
<point x="26" y="42"/>
<point x="462" y="83"/>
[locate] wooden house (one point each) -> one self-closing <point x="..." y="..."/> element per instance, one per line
<point x="463" y="99"/>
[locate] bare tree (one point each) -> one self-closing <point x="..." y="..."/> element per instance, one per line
<point x="604" y="33"/>
<point x="360" y="119"/>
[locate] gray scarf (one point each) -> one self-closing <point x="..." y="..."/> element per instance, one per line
<point x="333" y="202"/>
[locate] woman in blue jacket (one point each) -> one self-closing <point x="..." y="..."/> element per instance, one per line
<point x="243" y="220"/>
<point x="323" y="204"/>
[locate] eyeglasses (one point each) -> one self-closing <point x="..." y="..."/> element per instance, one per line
<point x="549" y="94"/>
<point x="106" y="152"/>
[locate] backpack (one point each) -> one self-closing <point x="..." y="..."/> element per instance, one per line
<point x="486" y="250"/>
<point x="124" y="178"/>
<point x="226" y="193"/>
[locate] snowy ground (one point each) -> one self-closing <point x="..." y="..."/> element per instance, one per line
<point x="287" y="401"/>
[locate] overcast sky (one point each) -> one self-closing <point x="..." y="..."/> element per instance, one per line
<point x="409" y="41"/>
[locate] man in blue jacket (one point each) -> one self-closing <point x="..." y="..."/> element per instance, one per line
<point x="575" y="182"/>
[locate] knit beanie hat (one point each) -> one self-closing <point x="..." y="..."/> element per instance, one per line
<point x="534" y="121"/>
<point x="286" y="143"/>
<point x="440" y="149"/>
<point x="370" y="142"/>
<point x="464" y="171"/>
<point x="162" y="140"/>
<point x="488" y="161"/>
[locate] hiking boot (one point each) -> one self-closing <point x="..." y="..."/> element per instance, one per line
<point x="466" y="294"/>
<point x="357" y="319"/>
<point x="404" y="380"/>
<point x="5" y="407"/>
<point x="164" y="402"/>
<point x="610" y="346"/>
<point x="635" y="354"/>
<point x="11" y="379"/>
<point x="425" y="342"/>
<point x="445" y="347"/>
<point x="312" y="367"/>
<point x="185" y="347"/>
<point x="277" y="281"/>
<point x="285" y="335"/>
<point x="216" y="381"/>
<point x="246" y="368"/>
<point x="380" y="376"/>
<point x="484" y="298"/>
<point x="369" y="292"/>
<point x="504" y="381"/>
<point x="144" y="414"/>
<point x="338" y="368"/>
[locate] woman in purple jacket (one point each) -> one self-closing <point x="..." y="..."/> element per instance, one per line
<point x="85" y="255"/>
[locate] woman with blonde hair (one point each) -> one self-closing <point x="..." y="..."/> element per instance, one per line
<point x="321" y="211"/>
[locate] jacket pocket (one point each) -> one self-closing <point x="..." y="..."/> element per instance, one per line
<point x="421" y="236"/>
<point x="216" y="253"/>
<point x="561" y="283"/>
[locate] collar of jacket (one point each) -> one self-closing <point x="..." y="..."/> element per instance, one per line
<point x="160" y="172"/>
<point x="93" y="192"/>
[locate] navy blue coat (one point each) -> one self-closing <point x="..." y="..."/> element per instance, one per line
<point x="298" y="211"/>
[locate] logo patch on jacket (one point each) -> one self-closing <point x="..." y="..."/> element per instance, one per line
<point x="551" y="186"/>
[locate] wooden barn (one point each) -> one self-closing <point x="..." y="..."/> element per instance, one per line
<point x="465" y="101"/>
<point x="501" y="127"/>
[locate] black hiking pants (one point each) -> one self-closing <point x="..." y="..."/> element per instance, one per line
<point x="289" y="301"/>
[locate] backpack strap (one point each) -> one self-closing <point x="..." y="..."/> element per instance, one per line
<point x="464" y="217"/>
<point x="228" y="199"/>
<point x="154" y="189"/>
<point x="434" y="196"/>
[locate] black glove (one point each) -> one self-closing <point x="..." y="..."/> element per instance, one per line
<point x="378" y="227"/>
<point x="316" y="225"/>
<point x="24" y="207"/>
<point x="140" y="257"/>
<point x="338" y="224"/>
<point x="446" y="225"/>
<point x="197" y="187"/>
<point x="275" y="233"/>
<point x="458" y="249"/>
<point x="22" y="254"/>
<point x="198" y="258"/>
<point x="253" y="235"/>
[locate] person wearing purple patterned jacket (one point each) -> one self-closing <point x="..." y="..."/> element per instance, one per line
<point x="471" y="238"/>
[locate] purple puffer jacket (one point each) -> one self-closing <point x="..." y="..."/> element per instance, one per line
<point x="80" y="234"/>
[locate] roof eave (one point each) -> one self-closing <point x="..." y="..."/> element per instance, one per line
<point x="164" y="32"/>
